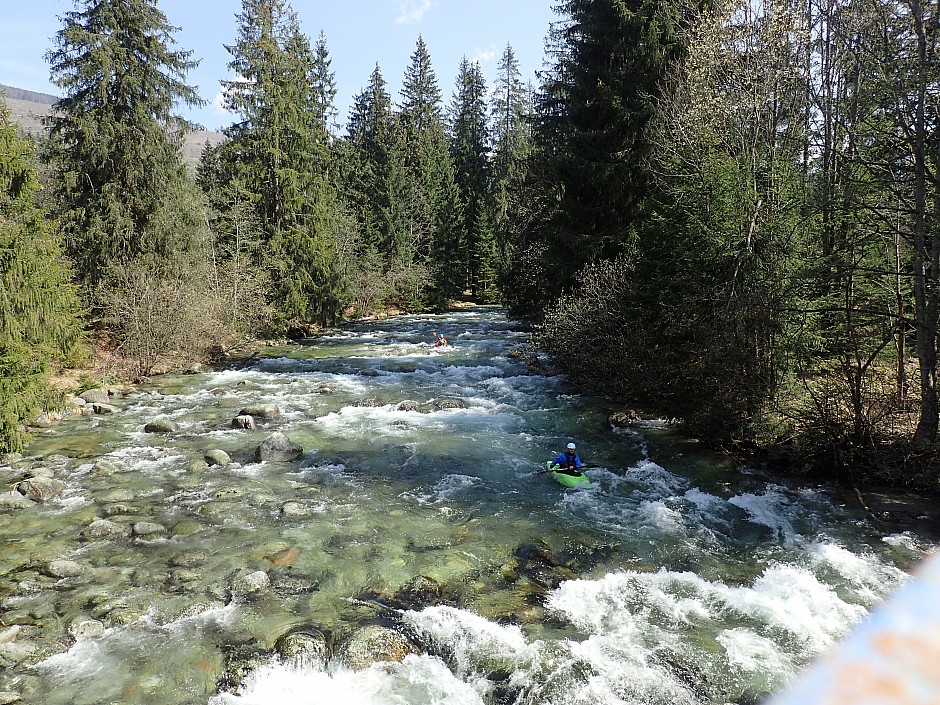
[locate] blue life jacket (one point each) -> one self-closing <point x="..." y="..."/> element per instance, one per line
<point x="566" y="461"/>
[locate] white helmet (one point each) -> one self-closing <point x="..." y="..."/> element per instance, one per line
<point x="571" y="446"/>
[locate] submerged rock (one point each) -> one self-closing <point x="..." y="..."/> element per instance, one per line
<point x="374" y="644"/>
<point x="217" y="457"/>
<point x="265" y="412"/>
<point x="85" y="628"/>
<point x="305" y="645"/>
<point x="63" y="569"/>
<point x="148" y="528"/>
<point x="39" y="489"/>
<point x="14" y="500"/>
<point x="250" y="583"/>
<point x="278" y="448"/>
<point x="161" y="426"/>
<point x="104" y="468"/>
<point x="15" y="653"/>
<point x="245" y="421"/>
<point x="103" y="528"/>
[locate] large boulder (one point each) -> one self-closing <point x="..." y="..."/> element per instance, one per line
<point x="265" y="412"/>
<point x="623" y="419"/>
<point x="39" y="489"/>
<point x="373" y="644"/>
<point x="277" y="448"/>
<point x="445" y="404"/>
<point x="104" y="408"/>
<point x="95" y="396"/>
<point x="14" y="500"/>
<point x="217" y="457"/>
<point x="161" y="426"/>
<point x="104" y="528"/>
<point x="244" y="421"/>
<point x="304" y="646"/>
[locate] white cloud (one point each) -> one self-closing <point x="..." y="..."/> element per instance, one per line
<point x="484" y="56"/>
<point x="413" y="11"/>
<point x="218" y="103"/>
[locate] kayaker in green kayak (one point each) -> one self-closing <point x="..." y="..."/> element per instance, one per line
<point x="568" y="462"/>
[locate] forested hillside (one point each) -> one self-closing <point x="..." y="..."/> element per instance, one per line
<point x="725" y="210"/>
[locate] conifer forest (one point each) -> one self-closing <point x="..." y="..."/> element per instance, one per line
<point x="724" y="211"/>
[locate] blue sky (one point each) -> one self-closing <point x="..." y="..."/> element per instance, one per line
<point x="359" y="33"/>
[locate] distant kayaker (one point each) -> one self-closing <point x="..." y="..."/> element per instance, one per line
<point x="568" y="462"/>
<point x="441" y="340"/>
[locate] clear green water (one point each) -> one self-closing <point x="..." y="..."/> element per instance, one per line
<point x="677" y="578"/>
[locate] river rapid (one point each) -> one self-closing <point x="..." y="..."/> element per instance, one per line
<point x="418" y="511"/>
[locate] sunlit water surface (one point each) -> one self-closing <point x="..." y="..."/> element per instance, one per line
<point x="677" y="578"/>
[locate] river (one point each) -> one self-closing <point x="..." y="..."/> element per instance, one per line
<point x="418" y="506"/>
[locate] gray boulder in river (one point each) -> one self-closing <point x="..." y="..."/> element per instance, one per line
<point x="95" y="396"/>
<point x="265" y="412"/>
<point x="278" y="447"/>
<point x="245" y="421"/>
<point x="374" y="643"/>
<point x="161" y="426"/>
<point x="39" y="489"/>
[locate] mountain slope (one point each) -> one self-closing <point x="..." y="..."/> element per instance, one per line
<point x="28" y="108"/>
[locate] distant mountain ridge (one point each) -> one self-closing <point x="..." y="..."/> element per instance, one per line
<point x="28" y="108"/>
<point x="29" y="96"/>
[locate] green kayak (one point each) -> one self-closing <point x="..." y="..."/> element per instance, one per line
<point x="575" y="482"/>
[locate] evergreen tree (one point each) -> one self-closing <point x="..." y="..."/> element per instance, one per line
<point x="510" y="108"/>
<point x="116" y="141"/>
<point x="39" y="310"/>
<point x="426" y="198"/>
<point x="371" y="158"/>
<point x="592" y="110"/>
<point x="470" y="150"/>
<point x="281" y="146"/>
<point x="324" y="86"/>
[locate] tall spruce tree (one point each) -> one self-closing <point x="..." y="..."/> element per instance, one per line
<point x="510" y="108"/>
<point x="592" y="110"/>
<point x="371" y="156"/>
<point x="429" y="197"/>
<point x="281" y="146"/>
<point x="40" y="320"/>
<point x="116" y="140"/>
<point x="470" y="150"/>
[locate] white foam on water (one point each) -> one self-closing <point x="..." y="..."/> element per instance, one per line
<point x="417" y="680"/>
<point x="772" y="509"/>
<point x="786" y="604"/>
<point x="661" y="516"/>
<point x="447" y="488"/>
<point x="655" y="479"/>
<point x="473" y="643"/>
<point x="749" y="652"/>
<point x="865" y="574"/>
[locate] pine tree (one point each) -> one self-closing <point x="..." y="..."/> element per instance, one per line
<point x="592" y="111"/>
<point x="426" y="198"/>
<point x="284" y="96"/>
<point x="324" y="86"/>
<point x="371" y="156"/>
<point x="116" y="141"/>
<point x="40" y="320"/>
<point x="470" y="150"/>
